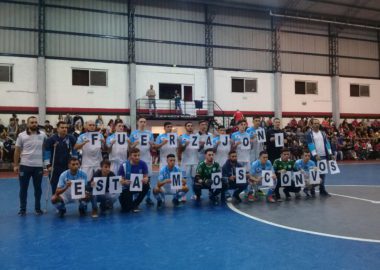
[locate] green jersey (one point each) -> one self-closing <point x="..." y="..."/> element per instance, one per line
<point x="279" y="165"/>
<point x="205" y="171"/>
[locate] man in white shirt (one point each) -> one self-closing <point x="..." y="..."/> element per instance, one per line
<point x="167" y="143"/>
<point x="320" y="149"/>
<point x="29" y="146"/>
<point x="91" y="143"/>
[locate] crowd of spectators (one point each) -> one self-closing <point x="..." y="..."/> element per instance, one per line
<point x="357" y="140"/>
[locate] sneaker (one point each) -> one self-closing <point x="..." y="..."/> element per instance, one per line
<point x="251" y="197"/>
<point x="288" y="198"/>
<point x="82" y="211"/>
<point x="94" y="213"/>
<point x="324" y="193"/>
<point x="159" y="204"/>
<point x="312" y="193"/>
<point x="237" y="199"/>
<point x="136" y="210"/>
<point x="298" y="196"/>
<point x="306" y="192"/>
<point x="149" y="202"/>
<point x="183" y="199"/>
<point x="39" y="212"/>
<point x="278" y="199"/>
<point x="61" y="213"/>
<point x="175" y="202"/>
<point x="196" y="198"/>
<point x="271" y="199"/>
<point x="22" y="212"/>
<point x="260" y="193"/>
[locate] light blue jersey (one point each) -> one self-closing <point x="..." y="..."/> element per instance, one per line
<point x="257" y="167"/>
<point x="244" y="139"/>
<point x="301" y="165"/>
<point x="67" y="176"/>
<point x="144" y="138"/>
<point x="167" y="148"/>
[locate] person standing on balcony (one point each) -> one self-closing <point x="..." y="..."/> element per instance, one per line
<point x="151" y="94"/>
<point x="177" y="100"/>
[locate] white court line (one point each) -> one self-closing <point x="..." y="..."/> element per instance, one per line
<point x="378" y="186"/>
<point x="233" y="208"/>
<point x="349" y="164"/>
<point x="355" y="198"/>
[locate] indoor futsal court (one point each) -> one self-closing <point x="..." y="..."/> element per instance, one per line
<point x="190" y="134"/>
<point x="340" y="232"/>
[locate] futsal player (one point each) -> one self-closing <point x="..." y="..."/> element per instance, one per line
<point x="118" y="151"/>
<point x="240" y="139"/>
<point x="282" y="165"/>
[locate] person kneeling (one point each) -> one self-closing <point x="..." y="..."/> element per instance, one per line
<point x="107" y="200"/>
<point x="203" y="178"/>
<point x="133" y="166"/>
<point x="164" y="183"/>
<point x="63" y="194"/>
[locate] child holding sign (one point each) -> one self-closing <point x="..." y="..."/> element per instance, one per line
<point x="107" y="200"/>
<point x="71" y="187"/>
<point x="170" y="182"/>
<point x="257" y="178"/>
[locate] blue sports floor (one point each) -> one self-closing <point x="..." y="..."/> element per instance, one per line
<point x="189" y="237"/>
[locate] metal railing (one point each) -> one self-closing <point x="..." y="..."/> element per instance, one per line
<point x="187" y="109"/>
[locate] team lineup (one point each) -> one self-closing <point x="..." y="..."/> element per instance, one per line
<point x="245" y="166"/>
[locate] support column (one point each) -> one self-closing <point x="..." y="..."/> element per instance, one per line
<point x="41" y="64"/>
<point x="41" y="89"/>
<point x="335" y="100"/>
<point x="209" y="59"/>
<point x="132" y="94"/>
<point x="277" y="94"/>
<point x="132" y="64"/>
<point x="210" y="89"/>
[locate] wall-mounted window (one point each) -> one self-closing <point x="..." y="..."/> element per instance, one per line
<point x="306" y="88"/>
<point x="244" y="85"/>
<point x="89" y="77"/>
<point x="359" y="90"/>
<point x="6" y="73"/>
<point x="167" y="90"/>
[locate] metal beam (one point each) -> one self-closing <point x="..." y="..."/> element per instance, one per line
<point x="276" y="46"/>
<point x="209" y="18"/>
<point x="333" y="51"/>
<point x="41" y="28"/>
<point x="131" y="32"/>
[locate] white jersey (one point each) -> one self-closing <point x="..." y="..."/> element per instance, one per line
<point x="31" y="148"/>
<point x="222" y="150"/>
<point x="169" y="148"/>
<point x="257" y="147"/>
<point x="91" y="151"/>
<point x="190" y="154"/>
<point x="243" y="149"/>
<point x="145" y="138"/>
<point x="119" y="151"/>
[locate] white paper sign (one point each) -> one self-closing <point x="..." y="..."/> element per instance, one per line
<point x="216" y="180"/>
<point x="94" y="138"/>
<point x="208" y="142"/>
<point x="176" y="180"/>
<point x="322" y="166"/>
<point x="144" y="141"/>
<point x="240" y="175"/>
<point x="172" y="139"/>
<point x="314" y="177"/>
<point x="194" y="142"/>
<point x="224" y="141"/>
<point x="299" y="180"/>
<point x="286" y="179"/>
<point x="279" y="139"/>
<point x="136" y="182"/>
<point x="121" y="139"/>
<point x="100" y="186"/>
<point x="245" y="143"/>
<point x="78" y="190"/>
<point x="267" y="180"/>
<point x="261" y="136"/>
<point x="114" y="185"/>
<point x="334" y="169"/>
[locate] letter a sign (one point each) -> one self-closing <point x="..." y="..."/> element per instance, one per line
<point x="136" y="182"/>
